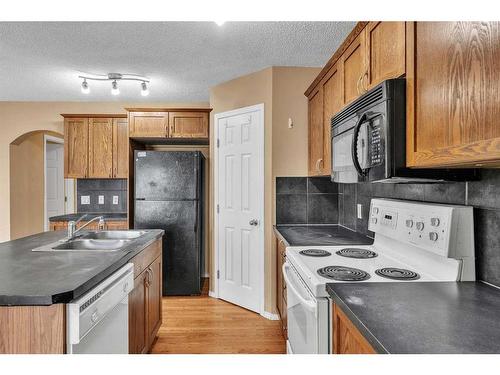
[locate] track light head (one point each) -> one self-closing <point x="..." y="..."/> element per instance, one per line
<point x="114" y="88"/>
<point x="144" y="89"/>
<point x="85" y="87"/>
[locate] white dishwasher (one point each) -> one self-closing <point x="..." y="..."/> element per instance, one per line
<point x="97" y="322"/>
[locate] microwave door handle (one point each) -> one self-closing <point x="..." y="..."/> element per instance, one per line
<point x="308" y="304"/>
<point x="354" y="145"/>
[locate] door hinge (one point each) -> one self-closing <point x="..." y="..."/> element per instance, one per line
<point x="218" y="209"/>
<point x="218" y="274"/>
<point x="218" y="142"/>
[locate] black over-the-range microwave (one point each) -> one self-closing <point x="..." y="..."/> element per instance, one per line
<point x="369" y="141"/>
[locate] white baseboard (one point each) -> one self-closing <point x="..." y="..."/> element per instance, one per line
<point x="270" y="316"/>
<point x="212" y="294"/>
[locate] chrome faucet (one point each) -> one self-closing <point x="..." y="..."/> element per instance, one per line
<point x="72" y="231"/>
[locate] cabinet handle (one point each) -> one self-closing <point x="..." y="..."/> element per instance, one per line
<point x="365" y="87"/>
<point x="318" y="162"/>
<point x="357" y="85"/>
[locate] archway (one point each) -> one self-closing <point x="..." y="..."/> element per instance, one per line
<point x="27" y="182"/>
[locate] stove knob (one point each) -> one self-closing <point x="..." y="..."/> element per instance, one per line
<point x="435" y="222"/>
<point x="433" y="236"/>
<point x="409" y="223"/>
<point x="375" y="210"/>
<point x="420" y="226"/>
<point x="374" y="220"/>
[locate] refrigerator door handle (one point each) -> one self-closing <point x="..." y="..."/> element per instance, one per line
<point x="196" y="221"/>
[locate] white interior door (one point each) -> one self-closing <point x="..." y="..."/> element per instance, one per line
<point x="54" y="180"/>
<point x="240" y="200"/>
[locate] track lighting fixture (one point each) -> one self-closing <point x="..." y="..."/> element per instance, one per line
<point x="85" y="87"/>
<point x="114" y="88"/>
<point x="114" y="78"/>
<point x="144" y="89"/>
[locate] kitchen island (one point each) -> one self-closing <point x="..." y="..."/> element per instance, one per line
<point x="36" y="286"/>
<point x="415" y="318"/>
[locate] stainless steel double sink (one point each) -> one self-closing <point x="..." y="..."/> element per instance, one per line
<point x="95" y="241"/>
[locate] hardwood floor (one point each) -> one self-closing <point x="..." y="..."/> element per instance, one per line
<point x="205" y="325"/>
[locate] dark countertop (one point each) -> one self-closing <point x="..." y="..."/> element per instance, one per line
<point x="44" y="278"/>
<point x="423" y="317"/>
<point x="107" y="216"/>
<point x="320" y="235"/>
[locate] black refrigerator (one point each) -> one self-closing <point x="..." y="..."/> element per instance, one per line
<point x="169" y="195"/>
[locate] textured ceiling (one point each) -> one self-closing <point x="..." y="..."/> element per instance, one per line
<point x="41" y="61"/>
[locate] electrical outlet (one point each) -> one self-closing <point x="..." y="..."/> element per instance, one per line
<point x="85" y="199"/>
<point x="115" y="199"/>
<point x="290" y="123"/>
<point x="101" y="199"/>
<point x="360" y="210"/>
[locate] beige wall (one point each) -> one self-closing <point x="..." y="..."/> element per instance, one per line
<point x="281" y="90"/>
<point x="17" y="118"/>
<point x="27" y="185"/>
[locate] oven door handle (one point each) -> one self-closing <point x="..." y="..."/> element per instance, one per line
<point x="308" y="304"/>
<point x="354" y="145"/>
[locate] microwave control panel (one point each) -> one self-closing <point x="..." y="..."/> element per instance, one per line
<point x="376" y="146"/>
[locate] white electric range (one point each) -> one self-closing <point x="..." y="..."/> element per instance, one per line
<point x="413" y="242"/>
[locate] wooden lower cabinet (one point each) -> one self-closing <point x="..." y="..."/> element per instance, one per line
<point x="281" y="285"/>
<point x="346" y="338"/>
<point x="109" y="225"/>
<point x="145" y="312"/>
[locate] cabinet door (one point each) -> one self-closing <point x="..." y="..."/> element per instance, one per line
<point x="120" y="148"/>
<point x="386" y="52"/>
<point x="346" y="337"/>
<point x="137" y="310"/>
<point x="282" y="289"/>
<point x="76" y="147"/>
<point x="154" y="299"/>
<point x="188" y="124"/>
<point x="453" y="76"/>
<point x="100" y="148"/>
<point x="354" y="67"/>
<point x="332" y="103"/>
<point x="279" y="278"/>
<point x="316" y="133"/>
<point x="148" y="124"/>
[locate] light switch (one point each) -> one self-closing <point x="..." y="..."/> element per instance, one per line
<point x="359" y="210"/>
<point x="85" y="199"/>
<point x="115" y="199"/>
<point x="290" y="123"/>
<point x="101" y="199"/>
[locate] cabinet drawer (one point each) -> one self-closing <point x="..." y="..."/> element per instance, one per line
<point x="146" y="257"/>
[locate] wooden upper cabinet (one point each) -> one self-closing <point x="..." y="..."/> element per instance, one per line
<point x="316" y="133"/>
<point x="453" y="75"/>
<point x="354" y="67"/>
<point x="120" y="148"/>
<point x="76" y="143"/>
<point x="148" y="124"/>
<point x="332" y="103"/>
<point x="100" y="148"/>
<point x="386" y="52"/>
<point x="188" y="124"/>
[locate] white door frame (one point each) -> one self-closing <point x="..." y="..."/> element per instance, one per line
<point x="47" y="138"/>
<point x="217" y="116"/>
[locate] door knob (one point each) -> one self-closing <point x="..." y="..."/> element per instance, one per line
<point x="254" y="222"/>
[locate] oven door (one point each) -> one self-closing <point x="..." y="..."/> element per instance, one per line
<point x="308" y="324"/>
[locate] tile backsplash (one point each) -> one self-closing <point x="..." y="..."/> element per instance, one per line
<point x="108" y="188"/>
<point x="306" y="200"/>
<point x="484" y="195"/>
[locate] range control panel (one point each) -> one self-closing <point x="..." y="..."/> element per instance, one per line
<point x="423" y="225"/>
